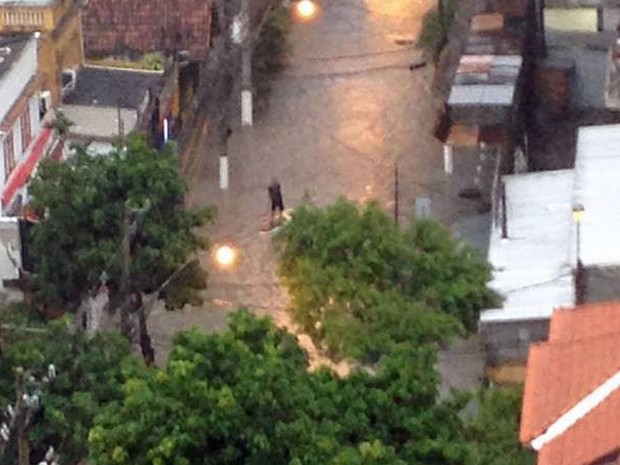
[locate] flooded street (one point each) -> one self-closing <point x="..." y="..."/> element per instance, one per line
<point x="344" y="113"/>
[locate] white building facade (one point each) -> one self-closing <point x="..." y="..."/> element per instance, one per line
<point x="23" y="140"/>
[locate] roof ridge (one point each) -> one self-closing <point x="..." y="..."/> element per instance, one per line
<point x="532" y="425"/>
<point x="578" y="411"/>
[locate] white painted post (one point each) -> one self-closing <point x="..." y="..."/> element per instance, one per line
<point x="246" y="108"/>
<point x="447" y="158"/>
<point x="246" y="66"/>
<point x="165" y="130"/>
<point x="223" y="172"/>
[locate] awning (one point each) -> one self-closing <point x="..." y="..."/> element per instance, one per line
<point x="20" y="175"/>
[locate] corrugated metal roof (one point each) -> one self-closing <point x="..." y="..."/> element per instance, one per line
<point x="597" y="188"/>
<point x="508" y="60"/>
<point x="532" y="267"/>
<point x="488" y="71"/>
<point x="493" y="94"/>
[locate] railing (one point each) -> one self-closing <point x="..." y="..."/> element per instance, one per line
<point x="23" y="18"/>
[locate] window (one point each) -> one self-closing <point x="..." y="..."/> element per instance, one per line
<point x="24" y="122"/>
<point x="9" y="155"/>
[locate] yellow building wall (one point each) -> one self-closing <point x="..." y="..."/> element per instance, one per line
<point x="571" y="19"/>
<point x="60" y="45"/>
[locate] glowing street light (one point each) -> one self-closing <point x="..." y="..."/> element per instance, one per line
<point x="225" y="256"/>
<point x="305" y="10"/>
<point x="578" y="214"/>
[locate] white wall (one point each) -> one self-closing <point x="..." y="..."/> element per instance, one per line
<point x="2" y="172"/>
<point x="18" y="150"/>
<point x="35" y="121"/>
<point x="10" y="248"/>
<point x="13" y="82"/>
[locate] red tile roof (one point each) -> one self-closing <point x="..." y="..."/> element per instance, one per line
<point x="590" y="320"/>
<point x="582" y="353"/>
<point x="560" y="374"/>
<point x="595" y="436"/>
<point x="116" y="27"/>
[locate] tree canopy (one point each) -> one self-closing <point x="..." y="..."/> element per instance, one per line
<point x="90" y="372"/>
<point x="245" y="397"/>
<point x="494" y="431"/>
<point x="359" y="284"/>
<point x="82" y="204"/>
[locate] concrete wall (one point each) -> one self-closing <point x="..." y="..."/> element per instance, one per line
<point x="10" y="250"/>
<point x="510" y="341"/>
<point x="590" y="75"/>
<point x="611" y="19"/>
<point x="99" y="122"/>
<point x="13" y="82"/>
<point x="602" y="283"/>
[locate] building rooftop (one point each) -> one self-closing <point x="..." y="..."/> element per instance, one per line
<point x="588" y="321"/>
<point x="532" y="266"/>
<point x="135" y="27"/>
<point x="597" y="189"/>
<point x="5" y="3"/>
<point x="106" y="87"/>
<point x="580" y="3"/>
<point x="10" y="49"/>
<point x="571" y="402"/>
<point x="484" y="90"/>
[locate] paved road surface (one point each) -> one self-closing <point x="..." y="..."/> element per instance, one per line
<point x="344" y="112"/>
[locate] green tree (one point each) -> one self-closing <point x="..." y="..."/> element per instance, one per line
<point x="89" y="375"/>
<point x="436" y="24"/>
<point x="61" y="126"/>
<point x="245" y="397"/>
<point x="82" y="205"/>
<point x="494" y="432"/>
<point x="269" y="52"/>
<point x="360" y="285"/>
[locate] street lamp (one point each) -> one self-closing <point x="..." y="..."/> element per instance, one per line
<point x="225" y="256"/>
<point x="305" y="10"/>
<point x="578" y="214"/>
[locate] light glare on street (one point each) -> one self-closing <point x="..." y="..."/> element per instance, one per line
<point x="225" y="256"/>
<point x="306" y="9"/>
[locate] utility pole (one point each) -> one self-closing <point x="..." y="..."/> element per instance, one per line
<point x="396" y="193"/>
<point x="125" y="266"/>
<point x="119" y="117"/>
<point x="246" y="65"/>
<point x="23" y="446"/>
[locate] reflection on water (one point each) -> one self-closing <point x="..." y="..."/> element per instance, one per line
<point x="361" y="118"/>
<point x="361" y="106"/>
<point x="398" y="16"/>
